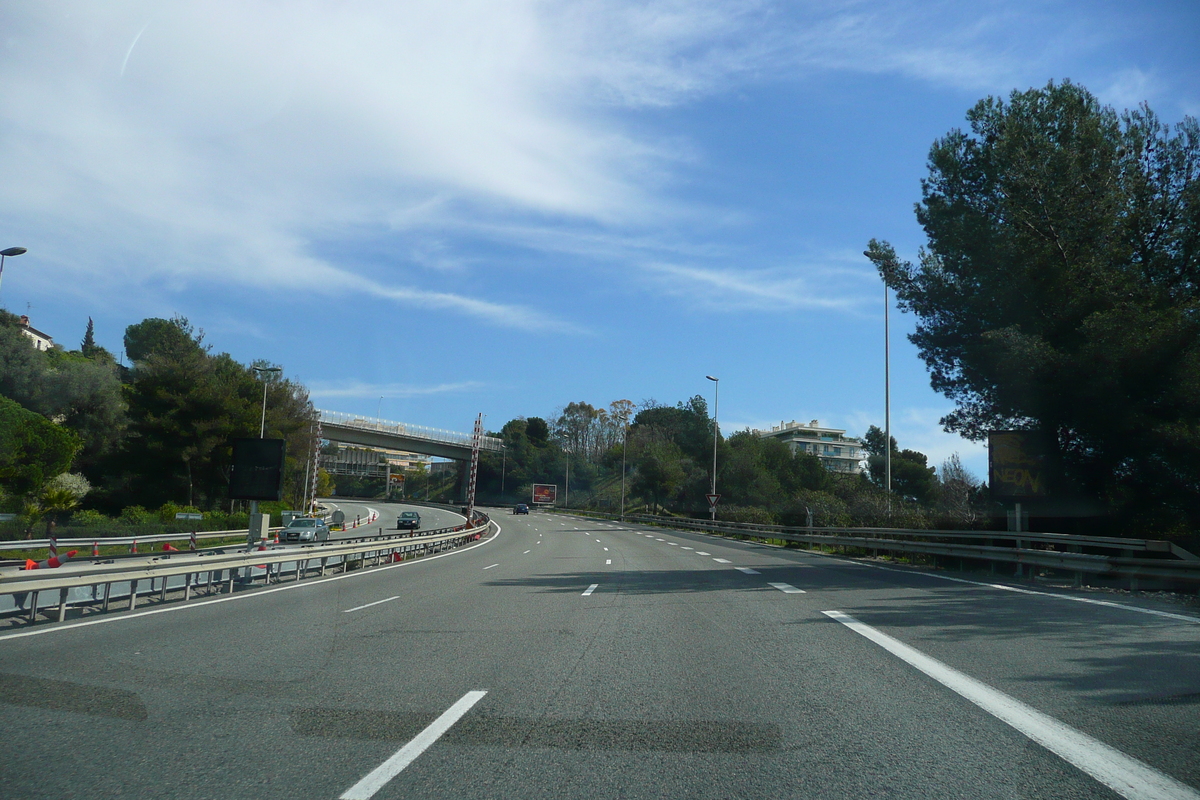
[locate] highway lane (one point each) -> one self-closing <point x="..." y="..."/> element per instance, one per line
<point x="678" y="675"/>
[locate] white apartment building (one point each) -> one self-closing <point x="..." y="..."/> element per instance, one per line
<point x="837" y="451"/>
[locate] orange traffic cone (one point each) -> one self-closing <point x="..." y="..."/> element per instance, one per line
<point x="95" y="549"/>
<point x="50" y="563"/>
<point x="133" y="549"/>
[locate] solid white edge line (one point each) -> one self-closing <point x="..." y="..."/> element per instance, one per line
<point x="1000" y="586"/>
<point x="368" y="605"/>
<point x="590" y="589"/>
<point x="248" y="595"/>
<point x="1020" y="590"/>
<point x="377" y="778"/>
<point x="1123" y="774"/>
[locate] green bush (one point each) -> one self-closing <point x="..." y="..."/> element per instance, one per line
<point x="89" y="518"/>
<point x="136" y="515"/>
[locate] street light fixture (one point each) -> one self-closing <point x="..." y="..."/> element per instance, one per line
<point x="262" y="427"/>
<point x="9" y="252"/>
<point x="712" y="505"/>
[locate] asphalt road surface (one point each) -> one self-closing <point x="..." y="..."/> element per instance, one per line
<point x="570" y="658"/>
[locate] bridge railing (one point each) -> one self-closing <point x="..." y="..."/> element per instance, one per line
<point x="385" y="426"/>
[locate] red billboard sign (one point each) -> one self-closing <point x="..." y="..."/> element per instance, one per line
<point x="545" y="493"/>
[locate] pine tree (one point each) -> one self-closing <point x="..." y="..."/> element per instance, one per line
<point x="88" y="348"/>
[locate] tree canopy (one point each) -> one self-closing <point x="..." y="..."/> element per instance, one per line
<point x="1060" y="289"/>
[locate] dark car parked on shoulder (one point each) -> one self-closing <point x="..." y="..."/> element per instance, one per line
<point x="408" y="521"/>
<point x="521" y="508"/>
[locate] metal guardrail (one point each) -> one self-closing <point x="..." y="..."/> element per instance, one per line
<point x="106" y="572"/>
<point x="1176" y="563"/>
<point x="404" y="429"/>
<point x="67" y="544"/>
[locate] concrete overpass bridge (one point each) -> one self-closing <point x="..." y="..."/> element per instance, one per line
<point x="367" y="432"/>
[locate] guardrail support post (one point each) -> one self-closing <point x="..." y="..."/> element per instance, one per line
<point x="162" y="597"/>
<point x="232" y="574"/>
<point x="187" y="587"/>
<point x="62" y="604"/>
<point x="33" y="603"/>
<point x="107" y="593"/>
<point x="323" y="562"/>
<point x="133" y="595"/>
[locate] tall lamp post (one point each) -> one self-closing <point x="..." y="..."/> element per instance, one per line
<point x="503" y="465"/>
<point x="262" y="432"/>
<point x="262" y="427"/>
<point x="9" y="252"/>
<point x="712" y="506"/>
<point x="887" y="400"/>
<point x="624" y="436"/>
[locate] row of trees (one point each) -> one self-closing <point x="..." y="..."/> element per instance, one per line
<point x="666" y="452"/>
<point x="156" y="431"/>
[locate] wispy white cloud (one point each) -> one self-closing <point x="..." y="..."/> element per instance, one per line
<point x="764" y="290"/>
<point x="388" y="390"/>
<point x="151" y="147"/>
<point x="1130" y="88"/>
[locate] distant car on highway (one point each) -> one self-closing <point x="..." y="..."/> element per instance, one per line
<point x="521" y="508"/>
<point x="408" y="520"/>
<point x="305" y="529"/>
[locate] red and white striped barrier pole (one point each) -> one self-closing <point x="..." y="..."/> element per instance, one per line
<point x="54" y="547"/>
<point x="192" y="541"/>
<point x="51" y="562"/>
<point x="95" y="549"/>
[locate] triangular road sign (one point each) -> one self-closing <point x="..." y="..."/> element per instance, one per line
<point x="712" y="500"/>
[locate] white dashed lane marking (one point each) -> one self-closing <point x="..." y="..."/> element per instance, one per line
<point x="527" y="551"/>
<point x="493" y="565"/>
<point x="748" y="571"/>
<point x="609" y="561"/>
<point x="786" y="588"/>
<point x="722" y="560"/>
<point x="702" y="553"/>
<point x="590" y="589"/>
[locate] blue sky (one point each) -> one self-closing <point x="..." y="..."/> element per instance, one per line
<point x="470" y="207"/>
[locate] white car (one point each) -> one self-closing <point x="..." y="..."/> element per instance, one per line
<point x="305" y="529"/>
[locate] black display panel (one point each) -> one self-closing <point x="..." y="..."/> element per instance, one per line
<point x="257" y="472"/>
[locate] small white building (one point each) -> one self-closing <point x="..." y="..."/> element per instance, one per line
<point x="41" y="340"/>
<point x="837" y="451"/>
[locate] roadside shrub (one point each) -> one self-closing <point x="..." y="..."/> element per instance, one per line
<point x="751" y="515"/>
<point x="89" y="518"/>
<point x="136" y="515"/>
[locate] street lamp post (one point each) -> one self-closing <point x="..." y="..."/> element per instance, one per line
<point x="9" y="252"/>
<point x="712" y="506"/>
<point x="262" y="433"/>
<point x="503" y="465"/>
<point x="262" y="427"/>
<point x="378" y="411"/>
<point x="624" y="436"/>
<point x="887" y="400"/>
